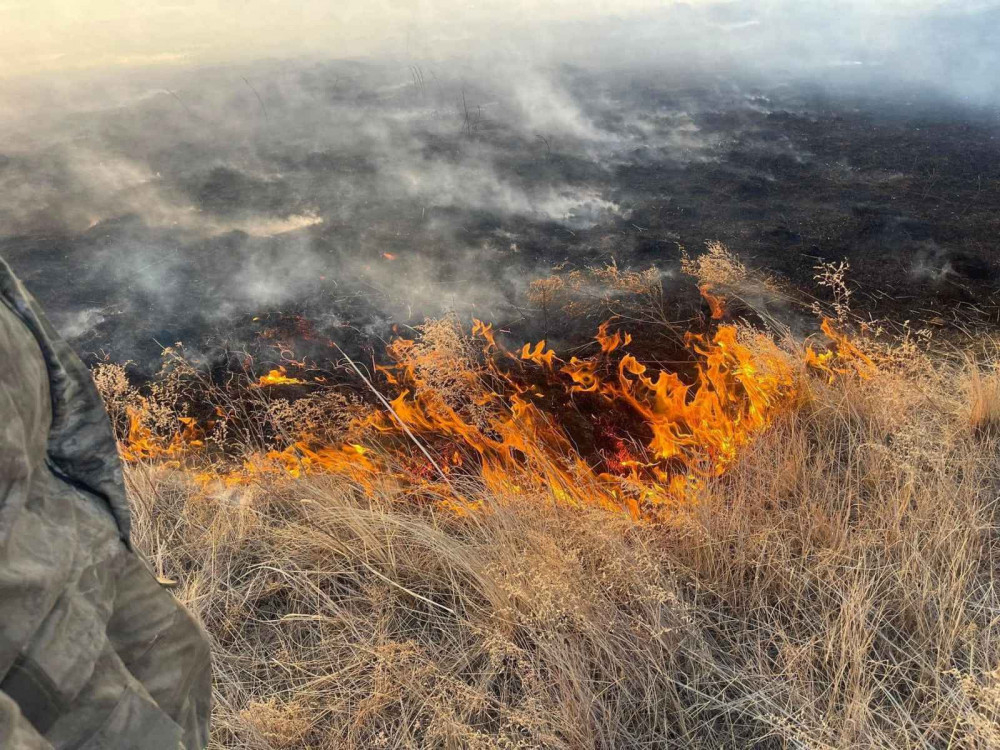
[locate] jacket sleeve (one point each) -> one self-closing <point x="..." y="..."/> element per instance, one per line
<point x="16" y="732"/>
<point x="80" y="446"/>
<point x="26" y="580"/>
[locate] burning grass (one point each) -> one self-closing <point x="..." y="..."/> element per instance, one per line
<point x="467" y="407"/>
<point x="770" y="545"/>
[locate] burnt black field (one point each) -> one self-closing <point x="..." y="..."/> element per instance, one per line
<point x="363" y="196"/>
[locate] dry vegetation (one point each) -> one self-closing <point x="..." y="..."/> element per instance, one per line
<point x="834" y="588"/>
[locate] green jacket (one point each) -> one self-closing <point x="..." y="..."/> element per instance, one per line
<point x="93" y="652"/>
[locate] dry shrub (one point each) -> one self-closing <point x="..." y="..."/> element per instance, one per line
<point x="597" y="291"/>
<point x="833" y="277"/>
<point x="444" y="356"/>
<point x="281" y="725"/>
<point x="326" y="416"/>
<point x="157" y="406"/>
<point x="116" y="390"/>
<point x="526" y="626"/>
<point x="720" y="272"/>
<point x="716" y="267"/>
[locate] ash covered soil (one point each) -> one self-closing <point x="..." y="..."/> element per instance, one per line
<point x="349" y="198"/>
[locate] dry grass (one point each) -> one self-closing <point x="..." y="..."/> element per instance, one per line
<point x="835" y="589"/>
<point x="984" y="399"/>
<point x="597" y="291"/>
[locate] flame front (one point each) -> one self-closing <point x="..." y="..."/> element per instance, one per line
<point x="503" y="418"/>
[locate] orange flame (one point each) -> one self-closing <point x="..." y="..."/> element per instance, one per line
<point x="539" y="355"/>
<point x="841" y="359"/>
<point x="484" y="331"/>
<point x="715" y="303"/>
<point x="141" y="444"/>
<point x="611" y="342"/>
<point x="660" y="434"/>
<point x="277" y="377"/>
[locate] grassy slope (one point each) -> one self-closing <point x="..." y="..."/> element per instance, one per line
<point x="835" y="589"/>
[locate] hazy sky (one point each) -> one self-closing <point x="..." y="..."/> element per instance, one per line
<point x="60" y="34"/>
<point x="46" y="35"/>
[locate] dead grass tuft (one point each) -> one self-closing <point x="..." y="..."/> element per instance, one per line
<point x="597" y="291"/>
<point x="984" y="400"/>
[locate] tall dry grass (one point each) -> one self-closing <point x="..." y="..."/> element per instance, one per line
<point x="835" y="589"/>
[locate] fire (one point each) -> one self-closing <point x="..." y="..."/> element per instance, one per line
<point x="696" y="428"/>
<point x="611" y="342"/>
<point x="705" y="423"/>
<point x="539" y="355"/>
<point x="715" y="303"/>
<point x="277" y="377"/>
<point x="143" y="445"/>
<point x="484" y="331"/>
<point x="842" y="358"/>
<point x="502" y="418"/>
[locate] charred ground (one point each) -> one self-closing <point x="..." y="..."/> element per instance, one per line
<point x="359" y="197"/>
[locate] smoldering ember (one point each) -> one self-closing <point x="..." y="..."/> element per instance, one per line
<point x="598" y="378"/>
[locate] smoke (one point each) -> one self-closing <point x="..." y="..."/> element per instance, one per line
<point x="438" y="175"/>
